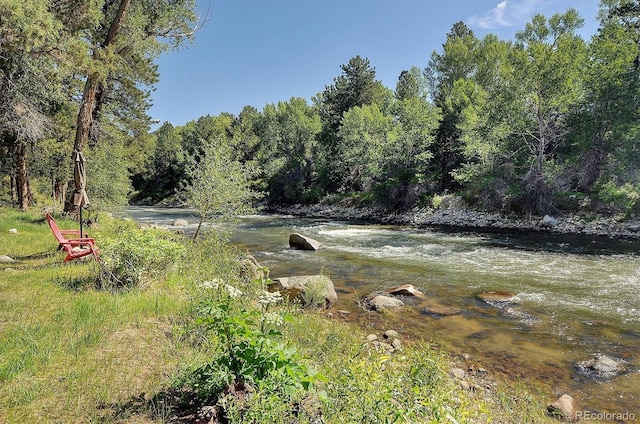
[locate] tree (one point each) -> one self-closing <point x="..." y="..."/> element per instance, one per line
<point x="525" y="101"/>
<point x="548" y="63"/>
<point x="411" y="83"/>
<point x="364" y="133"/>
<point x="605" y="126"/>
<point x="458" y="61"/>
<point x="122" y="47"/>
<point x="29" y="82"/>
<point x="288" y="134"/>
<point x="356" y="86"/>
<point x="219" y="186"/>
<point x="407" y="159"/>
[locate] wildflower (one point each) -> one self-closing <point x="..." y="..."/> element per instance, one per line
<point x="272" y="319"/>
<point x="233" y="292"/>
<point x="267" y="298"/>
<point x="213" y="284"/>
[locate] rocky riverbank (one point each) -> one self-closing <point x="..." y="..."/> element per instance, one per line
<point x="463" y="218"/>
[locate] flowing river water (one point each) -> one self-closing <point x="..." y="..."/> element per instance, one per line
<point x="578" y="296"/>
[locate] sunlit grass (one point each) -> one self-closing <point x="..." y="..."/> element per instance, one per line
<point x="70" y="352"/>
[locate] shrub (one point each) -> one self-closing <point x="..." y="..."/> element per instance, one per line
<point x="129" y="260"/>
<point x="252" y="357"/>
<point x="625" y="198"/>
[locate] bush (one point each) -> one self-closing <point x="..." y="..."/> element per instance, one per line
<point x="624" y="198"/>
<point x="252" y="358"/>
<point x="128" y="261"/>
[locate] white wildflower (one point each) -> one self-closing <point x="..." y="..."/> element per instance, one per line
<point x="267" y="298"/>
<point x="233" y="292"/>
<point x="213" y="284"/>
<point x="272" y="319"/>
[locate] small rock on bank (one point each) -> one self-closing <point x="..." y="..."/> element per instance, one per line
<point x="563" y="409"/>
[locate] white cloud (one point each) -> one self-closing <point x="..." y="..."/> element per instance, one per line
<point x="508" y="13"/>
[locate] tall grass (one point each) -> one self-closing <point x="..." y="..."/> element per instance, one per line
<point x="71" y="351"/>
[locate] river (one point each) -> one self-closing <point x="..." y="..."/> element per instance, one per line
<point x="578" y="296"/>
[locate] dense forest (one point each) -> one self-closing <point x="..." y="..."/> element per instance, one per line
<point x="545" y="123"/>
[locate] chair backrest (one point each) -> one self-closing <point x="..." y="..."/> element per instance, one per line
<point x="55" y="229"/>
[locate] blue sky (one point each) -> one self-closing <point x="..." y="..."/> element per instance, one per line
<point x="256" y="52"/>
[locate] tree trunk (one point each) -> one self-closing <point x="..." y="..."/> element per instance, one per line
<point x="12" y="182"/>
<point x="22" y="178"/>
<point x="93" y="81"/>
<point x="86" y="111"/>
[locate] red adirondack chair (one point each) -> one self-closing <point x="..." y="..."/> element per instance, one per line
<point x="71" y="242"/>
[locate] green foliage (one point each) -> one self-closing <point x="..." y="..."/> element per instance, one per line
<point x="624" y="198"/>
<point x="251" y="352"/>
<point x="219" y="186"/>
<point x="108" y="184"/>
<point x="136" y="257"/>
<point x="313" y="295"/>
<point x="288" y="133"/>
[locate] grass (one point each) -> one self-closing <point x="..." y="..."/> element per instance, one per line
<point x="71" y="352"/>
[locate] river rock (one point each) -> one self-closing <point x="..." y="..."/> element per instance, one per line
<point x="497" y="297"/>
<point x="563" y="409"/>
<point x="391" y="334"/>
<point x="296" y="287"/>
<point x="458" y="373"/>
<point x="601" y="367"/>
<point x="406" y="290"/>
<point x="549" y="221"/>
<point x="441" y="310"/>
<point x="382" y="303"/>
<point x="397" y="344"/>
<point x="300" y="242"/>
<point x="253" y="270"/>
<point x="180" y="223"/>
<point x="6" y="259"/>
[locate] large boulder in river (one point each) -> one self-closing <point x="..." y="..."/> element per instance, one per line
<point x="601" y="367"/>
<point x="180" y="223"/>
<point x="311" y="290"/>
<point x="549" y="221"/>
<point x="300" y="242"/>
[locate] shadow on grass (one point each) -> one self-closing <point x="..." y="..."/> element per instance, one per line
<point x="173" y="406"/>
<point x="40" y="255"/>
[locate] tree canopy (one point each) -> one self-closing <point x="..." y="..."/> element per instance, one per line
<point x="545" y="122"/>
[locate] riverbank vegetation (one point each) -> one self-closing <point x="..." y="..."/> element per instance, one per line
<point x="544" y="123"/>
<point x="200" y="336"/>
